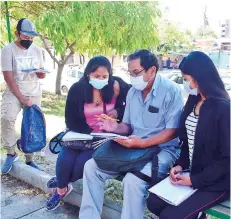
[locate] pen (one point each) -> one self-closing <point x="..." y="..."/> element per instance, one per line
<point x="107" y="118"/>
<point x="181" y="171"/>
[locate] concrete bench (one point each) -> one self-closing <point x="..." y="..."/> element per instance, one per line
<point x="111" y="209"/>
<point x="221" y="211"/>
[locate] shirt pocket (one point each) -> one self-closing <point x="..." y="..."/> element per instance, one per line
<point x="153" y="120"/>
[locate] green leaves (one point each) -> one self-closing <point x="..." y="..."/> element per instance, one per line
<point x="95" y="27"/>
<point x="100" y="27"/>
<point x="173" y="39"/>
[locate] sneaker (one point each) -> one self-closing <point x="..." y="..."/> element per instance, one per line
<point x="8" y="163"/>
<point x="54" y="201"/>
<point x="33" y="164"/>
<point x="52" y="183"/>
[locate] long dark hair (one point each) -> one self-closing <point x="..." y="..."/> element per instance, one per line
<point x="108" y="91"/>
<point x="202" y="69"/>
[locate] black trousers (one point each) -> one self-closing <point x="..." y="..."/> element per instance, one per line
<point x="189" y="209"/>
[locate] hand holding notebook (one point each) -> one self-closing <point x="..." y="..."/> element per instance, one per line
<point x="170" y="193"/>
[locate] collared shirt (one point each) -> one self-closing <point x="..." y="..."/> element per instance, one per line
<point x="159" y="111"/>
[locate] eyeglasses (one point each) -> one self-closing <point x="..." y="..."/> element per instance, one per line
<point x="135" y="74"/>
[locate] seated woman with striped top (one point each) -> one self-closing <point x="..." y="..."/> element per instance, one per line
<point x="205" y="135"/>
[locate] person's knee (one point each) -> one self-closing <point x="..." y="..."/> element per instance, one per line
<point x="79" y="166"/>
<point x="9" y="113"/>
<point x="132" y="182"/>
<point x="89" y="168"/>
<point x="7" y="122"/>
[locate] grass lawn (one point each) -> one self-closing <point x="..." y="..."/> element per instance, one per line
<point x="53" y="104"/>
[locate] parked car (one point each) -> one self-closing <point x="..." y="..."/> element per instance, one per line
<point x="70" y="76"/>
<point x="226" y="78"/>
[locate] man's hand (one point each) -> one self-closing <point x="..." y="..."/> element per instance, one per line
<point x="132" y="142"/>
<point x="182" y="180"/>
<point x="25" y="101"/>
<point x="172" y="172"/>
<point x="113" y="114"/>
<point x="107" y="125"/>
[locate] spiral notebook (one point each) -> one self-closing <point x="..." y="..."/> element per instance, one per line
<point x="172" y="194"/>
<point x="108" y="135"/>
<point x="72" y="136"/>
<point x="100" y="138"/>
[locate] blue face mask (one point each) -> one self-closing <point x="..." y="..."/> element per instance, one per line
<point x="98" y="84"/>
<point x="189" y="89"/>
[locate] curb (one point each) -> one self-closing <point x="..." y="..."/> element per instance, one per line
<point x="39" y="179"/>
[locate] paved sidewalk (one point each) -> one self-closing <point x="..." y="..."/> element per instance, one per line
<point x="20" y="200"/>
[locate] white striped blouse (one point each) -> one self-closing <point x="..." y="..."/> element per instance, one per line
<point x="191" y="124"/>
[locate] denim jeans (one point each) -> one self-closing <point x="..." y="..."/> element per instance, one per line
<point x="70" y="164"/>
<point x="135" y="190"/>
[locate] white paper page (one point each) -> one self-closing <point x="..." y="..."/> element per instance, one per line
<point x="108" y="135"/>
<point x="76" y="136"/>
<point x="173" y="194"/>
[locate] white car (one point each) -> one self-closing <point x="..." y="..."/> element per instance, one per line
<point x="72" y="75"/>
<point x="226" y="78"/>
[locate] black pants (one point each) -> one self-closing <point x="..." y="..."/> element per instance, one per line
<point x="70" y="164"/>
<point x="189" y="209"/>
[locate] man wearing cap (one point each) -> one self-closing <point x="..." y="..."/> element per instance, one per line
<point x="23" y="87"/>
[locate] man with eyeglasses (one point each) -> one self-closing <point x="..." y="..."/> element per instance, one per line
<point x="151" y="117"/>
<point x="19" y="59"/>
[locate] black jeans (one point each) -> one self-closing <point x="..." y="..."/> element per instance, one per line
<point x="189" y="209"/>
<point x="70" y="164"/>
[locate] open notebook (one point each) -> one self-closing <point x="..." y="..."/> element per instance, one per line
<point x="108" y="135"/>
<point x="103" y="137"/>
<point x="72" y="136"/>
<point x="172" y="194"/>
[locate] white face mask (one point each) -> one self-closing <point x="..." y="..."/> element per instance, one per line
<point x="138" y="82"/>
<point x="189" y="89"/>
<point x="98" y="84"/>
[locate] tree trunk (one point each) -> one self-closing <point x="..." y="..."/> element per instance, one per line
<point x="112" y="59"/>
<point x="82" y="59"/>
<point x="58" y="79"/>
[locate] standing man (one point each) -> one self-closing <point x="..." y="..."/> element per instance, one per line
<point x="23" y="87"/>
<point x="153" y="109"/>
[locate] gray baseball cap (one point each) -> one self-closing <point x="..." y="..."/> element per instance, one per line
<point x="26" y="28"/>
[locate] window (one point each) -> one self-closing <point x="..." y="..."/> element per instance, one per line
<point x="74" y="73"/>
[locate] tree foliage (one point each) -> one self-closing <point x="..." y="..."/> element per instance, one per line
<point x="90" y="27"/>
<point x="205" y="32"/>
<point x="172" y="38"/>
<point x="100" y="27"/>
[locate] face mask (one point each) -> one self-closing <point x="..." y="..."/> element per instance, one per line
<point x="26" y="43"/>
<point x="98" y="84"/>
<point x="189" y="89"/>
<point x="138" y="82"/>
